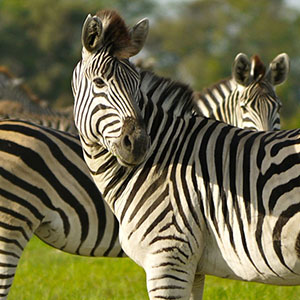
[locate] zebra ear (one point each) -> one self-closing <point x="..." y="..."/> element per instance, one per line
<point x="91" y="33"/>
<point x="279" y="69"/>
<point x="138" y="35"/>
<point x="241" y="69"/>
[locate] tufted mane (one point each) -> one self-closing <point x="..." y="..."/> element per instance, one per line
<point x="259" y="67"/>
<point x="115" y="32"/>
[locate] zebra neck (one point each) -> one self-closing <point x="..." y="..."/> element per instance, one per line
<point x="165" y="94"/>
<point x="216" y="102"/>
<point x="107" y="173"/>
<point x="114" y="181"/>
<point x="231" y="109"/>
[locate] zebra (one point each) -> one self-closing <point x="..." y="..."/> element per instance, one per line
<point x="247" y="99"/>
<point x="58" y="119"/>
<point x="109" y="244"/>
<point x="206" y="197"/>
<point x="46" y="190"/>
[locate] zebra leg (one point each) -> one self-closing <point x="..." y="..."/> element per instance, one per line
<point x="198" y="287"/>
<point x="170" y="280"/>
<point x="13" y="239"/>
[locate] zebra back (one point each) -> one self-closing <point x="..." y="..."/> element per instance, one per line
<point x="61" y="120"/>
<point x="247" y="99"/>
<point x="18" y="102"/>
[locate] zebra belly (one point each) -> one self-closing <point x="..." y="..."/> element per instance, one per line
<point x="276" y="263"/>
<point x="53" y="231"/>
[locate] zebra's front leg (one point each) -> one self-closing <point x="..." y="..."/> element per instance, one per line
<point x="8" y="265"/>
<point x="198" y="287"/>
<point x="170" y="279"/>
<point x="13" y="240"/>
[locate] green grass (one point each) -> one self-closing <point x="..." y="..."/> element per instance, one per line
<point x="48" y="274"/>
<point x="45" y="273"/>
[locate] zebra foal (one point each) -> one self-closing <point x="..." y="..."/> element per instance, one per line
<point x="203" y="197"/>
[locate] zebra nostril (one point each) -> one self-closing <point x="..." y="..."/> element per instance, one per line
<point x="127" y="142"/>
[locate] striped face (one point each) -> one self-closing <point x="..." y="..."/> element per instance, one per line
<point x="257" y="101"/>
<point x="106" y="92"/>
<point x="260" y="107"/>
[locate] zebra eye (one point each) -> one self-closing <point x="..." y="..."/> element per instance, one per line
<point x="99" y="82"/>
<point x="243" y="106"/>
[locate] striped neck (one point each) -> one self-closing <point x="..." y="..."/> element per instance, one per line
<point x="214" y="102"/>
<point x="162" y="103"/>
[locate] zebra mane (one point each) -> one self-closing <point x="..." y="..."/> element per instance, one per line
<point x="213" y="97"/>
<point x="225" y="82"/>
<point x="258" y="68"/>
<point x="116" y="34"/>
<point x="172" y="96"/>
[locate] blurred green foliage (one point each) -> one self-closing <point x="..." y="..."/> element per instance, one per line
<point x="193" y="41"/>
<point x="40" y="40"/>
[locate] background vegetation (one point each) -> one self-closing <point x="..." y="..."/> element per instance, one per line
<point x="193" y="40"/>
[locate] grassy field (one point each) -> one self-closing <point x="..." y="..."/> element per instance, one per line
<point x="47" y="274"/>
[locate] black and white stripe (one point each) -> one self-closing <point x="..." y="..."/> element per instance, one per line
<point x="207" y="199"/>
<point x="58" y="120"/>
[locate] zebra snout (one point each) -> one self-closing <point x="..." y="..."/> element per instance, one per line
<point x="127" y="142"/>
<point x="133" y="144"/>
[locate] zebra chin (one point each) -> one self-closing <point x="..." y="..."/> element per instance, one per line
<point x="132" y="146"/>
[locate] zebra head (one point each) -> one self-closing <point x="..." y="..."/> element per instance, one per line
<point x="258" y="102"/>
<point x="106" y="87"/>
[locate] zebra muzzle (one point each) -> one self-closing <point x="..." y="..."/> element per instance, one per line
<point x="133" y="144"/>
